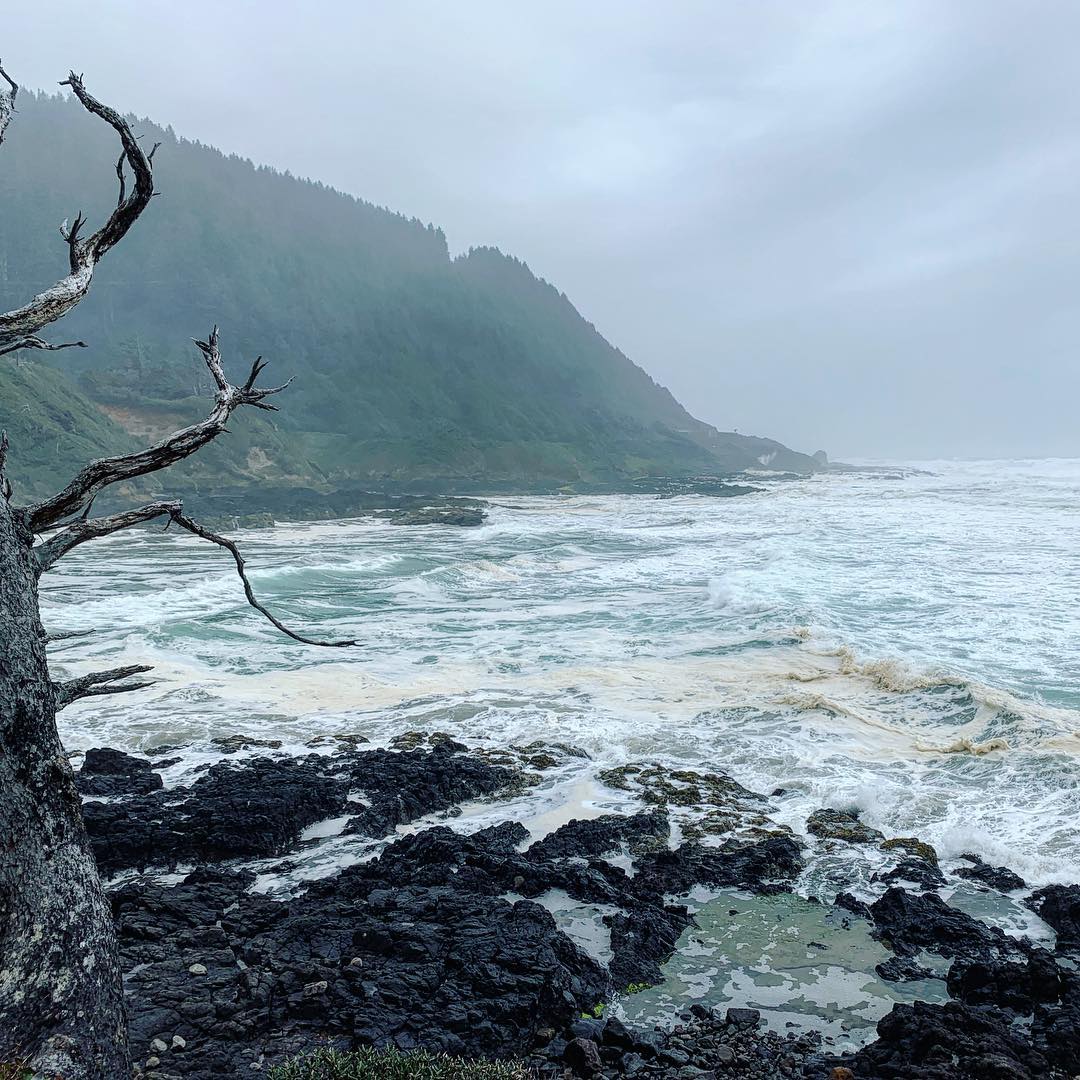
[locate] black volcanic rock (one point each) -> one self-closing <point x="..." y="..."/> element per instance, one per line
<point x="439" y="941"/>
<point x="107" y="772"/>
<point x="241" y="976"/>
<point x="258" y="808"/>
<point x="761" y="865"/>
<point x="993" y="877"/>
<point x="918" y="871"/>
<point x="910" y="922"/>
<point x="461" y="516"/>
<point x="1059" y="905"/>
<point x="947" y="1042"/>
<point x="902" y="969"/>
<point x="1011" y="984"/>
<point x="603" y="835"/>
<point x="841" y="825"/>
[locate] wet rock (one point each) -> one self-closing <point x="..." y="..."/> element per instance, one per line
<point x="908" y="922"/>
<point x="417" y="740"/>
<point x="233" y="811"/>
<point x="1059" y="905"/>
<point x="107" y="772"/>
<point x="462" y="516"/>
<point x="404" y="786"/>
<point x="703" y="1047"/>
<point x="841" y="825"/>
<point x="1055" y="1027"/>
<point x="643" y="940"/>
<point x="258" y="808"/>
<point x="661" y="786"/>
<point x="902" y="969"/>
<point x="583" y="1056"/>
<point x="165" y="750"/>
<point x="442" y="967"/>
<point x="743" y="1017"/>
<point x="947" y="1042"/>
<point x="760" y="866"/>
<point x="917" y="871"/>
<point x="846" y="902"/>
<point x="437" y="941"/>
<point x="230" y="744"/>
<point x="605" y="835"/>
<point x="917" y="849"/>
<point x="1020" y="985"/>
<point x="350" y="740"/>
<point x="993" y="877"/>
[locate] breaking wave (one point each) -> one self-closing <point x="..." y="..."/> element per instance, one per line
<point x="905" y="648"/>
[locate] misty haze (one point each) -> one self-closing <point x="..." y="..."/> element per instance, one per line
<point x="539" y="541"/>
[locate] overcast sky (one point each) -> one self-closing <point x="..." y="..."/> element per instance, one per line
<point x="846" y="225"/>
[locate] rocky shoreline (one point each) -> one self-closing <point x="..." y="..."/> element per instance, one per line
<point x="438" y="939"/>
<point x="261" y="506"/>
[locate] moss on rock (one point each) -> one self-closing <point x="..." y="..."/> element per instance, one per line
<point x="920" y="849"/>
<point x="841" y="825"/>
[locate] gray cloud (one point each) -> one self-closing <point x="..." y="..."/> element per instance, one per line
<point x="845" y="225"/>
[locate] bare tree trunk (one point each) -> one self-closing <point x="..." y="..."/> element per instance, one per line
<point x="61" y="986"/>
<point x="61" y="997"/>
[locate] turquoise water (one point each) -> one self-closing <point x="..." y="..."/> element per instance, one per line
<point x="902" y="643"/>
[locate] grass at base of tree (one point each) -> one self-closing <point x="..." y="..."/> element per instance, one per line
<point x="390" y="1064"/>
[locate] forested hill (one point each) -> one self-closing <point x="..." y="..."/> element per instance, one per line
<point x="411" y="367"/>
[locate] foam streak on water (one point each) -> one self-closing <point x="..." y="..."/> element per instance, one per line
<point x="906" y="645"/>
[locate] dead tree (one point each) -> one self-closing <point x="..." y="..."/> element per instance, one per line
<point x="61" y="992"/>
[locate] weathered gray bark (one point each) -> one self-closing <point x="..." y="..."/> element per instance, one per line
<point x="61" y="991"/>
<point x="61" y="997"/>
<point x="19" y="328"/>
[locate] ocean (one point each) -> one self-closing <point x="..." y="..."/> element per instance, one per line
<point x="902" y="642"/>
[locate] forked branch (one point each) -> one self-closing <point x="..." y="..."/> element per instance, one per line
<point x="79" y="532"/>
<point x="34" y="342"/>
<point x="194" y="527"/>
<point x="98" y="683"/>
<point x="105" y="471"/>
<point x="66" y="635"/>
<point x="5" y="485"/>
<point x="7" y="100"/>
<point x="19" y="328"/>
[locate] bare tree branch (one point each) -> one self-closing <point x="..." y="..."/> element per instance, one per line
<point x="5" y="486"/>
<point x="128" y="209"/>
<point x="100" y="682"/>
<point x="35" y="342"/>
<point x="20" y="326"/>
<point x="7" y="100"/>
<point x="222" y="541"/>
<point x="66" y="635"/>
<point x="105" y="471"/>
<point x="79" y="532"/>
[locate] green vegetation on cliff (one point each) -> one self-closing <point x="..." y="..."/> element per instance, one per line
<point x="411" y="367"/>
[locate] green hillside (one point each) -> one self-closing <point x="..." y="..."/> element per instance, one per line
<point x="412" y="368"/>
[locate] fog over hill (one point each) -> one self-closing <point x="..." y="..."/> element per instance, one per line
<point x="411" y="366"/>
<point x="845" y="225"/>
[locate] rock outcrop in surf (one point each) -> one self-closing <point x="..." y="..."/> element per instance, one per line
<point x="440" y="940"/>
